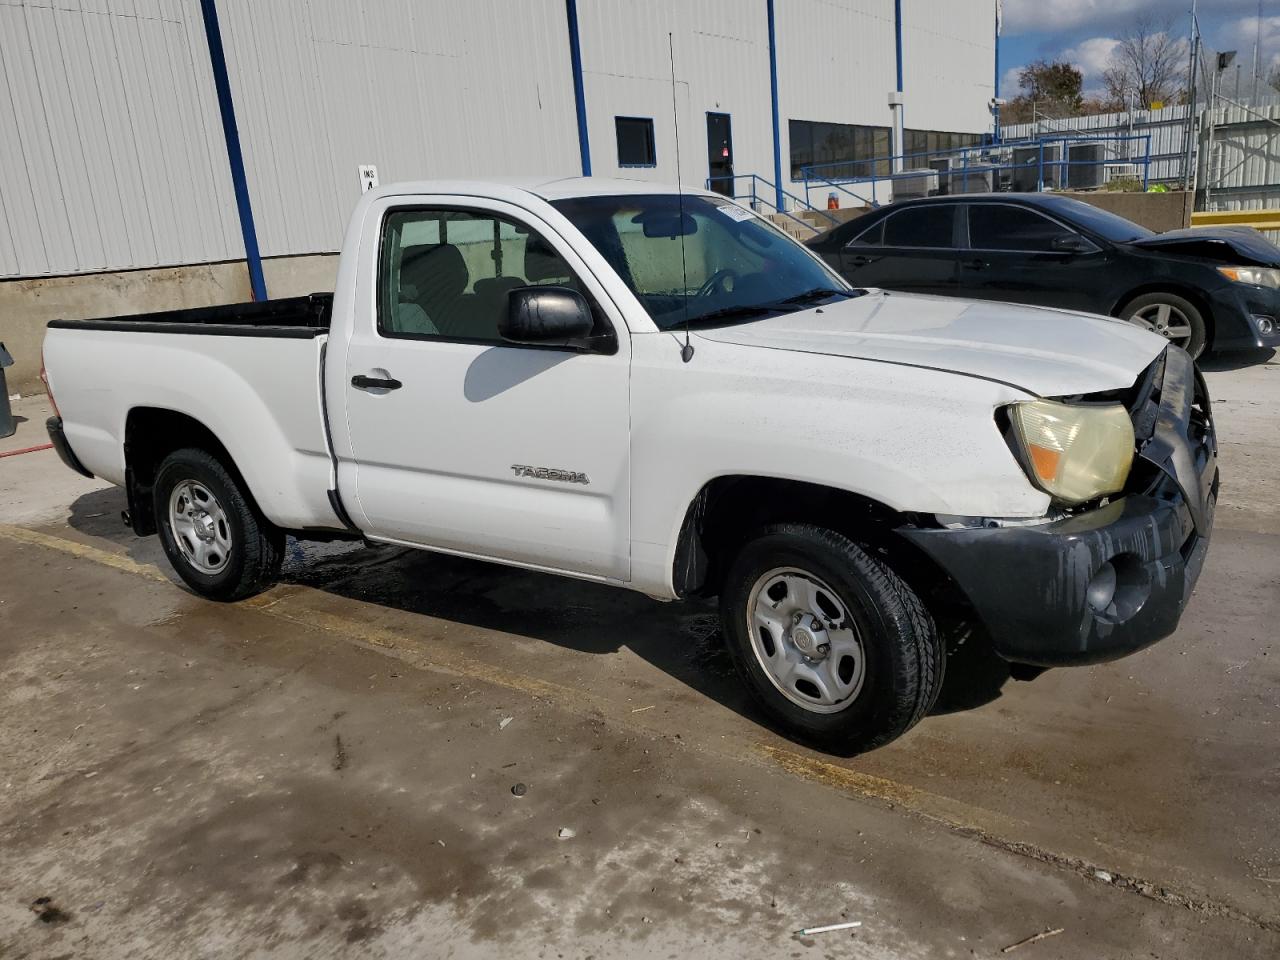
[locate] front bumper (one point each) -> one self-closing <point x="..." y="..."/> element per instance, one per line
<point x="1238" y="311"/>
<point x="1101" y="584"/>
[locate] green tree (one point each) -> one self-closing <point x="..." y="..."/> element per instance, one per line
<point x="1048" y="88"/>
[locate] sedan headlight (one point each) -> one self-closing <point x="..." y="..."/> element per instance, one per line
<point x="1258" y="276"/>
<point x="1073" y="453"/>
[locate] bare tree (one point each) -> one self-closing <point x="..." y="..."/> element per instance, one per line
<point x="1273" y="78"/>
<point x="1147" y="65"/>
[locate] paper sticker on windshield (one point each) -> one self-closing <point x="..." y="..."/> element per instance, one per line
<point x="735" y="212"/>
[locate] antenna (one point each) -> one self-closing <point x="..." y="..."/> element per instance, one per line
<point x="686" y="353"/>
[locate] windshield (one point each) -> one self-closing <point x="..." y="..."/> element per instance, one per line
<point x="719" y="261"/>
<point x="1105" y="224"/>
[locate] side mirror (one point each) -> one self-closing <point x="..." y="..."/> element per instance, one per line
<point x="550" y="316"/>
<point x="1070" y="243"/>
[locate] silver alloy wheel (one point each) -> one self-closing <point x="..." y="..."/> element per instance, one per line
<point x="200" y="527"/>
<point x="1166" y="320"/>
<point x="805" y="640"/>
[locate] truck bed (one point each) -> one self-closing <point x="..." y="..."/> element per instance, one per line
<point x="299" y="317"/>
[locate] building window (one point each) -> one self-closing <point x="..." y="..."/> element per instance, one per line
<point x="843" y="150"/>
<point x="923" y="142"/>
<point x="635" y="142"/>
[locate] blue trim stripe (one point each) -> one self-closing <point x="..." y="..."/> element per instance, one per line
<point x="579" y="94"/>
<point x="773" y="92"/>
<point x="897" y="37"/>
<point x="218" y="61"/>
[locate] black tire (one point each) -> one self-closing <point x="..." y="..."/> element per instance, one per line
<point x="1199" y="338"/>
<point x="903" y="654"/>
<point x="257" y="547"/>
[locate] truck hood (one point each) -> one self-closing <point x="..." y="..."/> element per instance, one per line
<point x="1243" y="246"/>
<point x="1045" y="352"/>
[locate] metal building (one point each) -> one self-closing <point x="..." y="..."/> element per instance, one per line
<point x="112" y="153"/>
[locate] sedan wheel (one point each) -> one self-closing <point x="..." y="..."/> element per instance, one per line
<point x="1172" y="317"/>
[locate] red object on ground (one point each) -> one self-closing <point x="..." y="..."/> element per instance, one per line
<point x="14" y="453"/>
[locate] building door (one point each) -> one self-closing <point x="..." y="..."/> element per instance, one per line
<point x="720" y="153"/>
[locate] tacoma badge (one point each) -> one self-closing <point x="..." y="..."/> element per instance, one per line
<point x="549" y="473"/>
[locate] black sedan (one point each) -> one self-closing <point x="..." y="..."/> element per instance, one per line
<point x="1201" y="288"/>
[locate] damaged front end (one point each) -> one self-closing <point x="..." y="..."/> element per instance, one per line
<point x="1108" y="577"/>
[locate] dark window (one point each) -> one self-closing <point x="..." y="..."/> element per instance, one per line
<point x="635" y="142"/>
<point x="920" y="143"/>
<point x="872" y="235"/>
<point x="999" y="226"/>
<point x="847" y="150"/>
<point x="446" y="273"/>
<point x="924" y="226"/>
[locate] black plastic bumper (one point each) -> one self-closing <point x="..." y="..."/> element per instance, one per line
<point x="1238" y="310"/>
<point x="1045" y="592"/>
<point x="1101" y="584"/>
<point x="60" y="444"/>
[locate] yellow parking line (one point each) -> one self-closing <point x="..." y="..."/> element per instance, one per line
<point x="82" y="550"/>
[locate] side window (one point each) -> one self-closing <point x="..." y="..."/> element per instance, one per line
<point x="447" y="273"/>
<point x="867" y="236"/>
<point x="999" y="226"/>
<point x="925" y="226"/>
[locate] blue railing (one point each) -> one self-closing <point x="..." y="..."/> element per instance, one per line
<point x="728" y="186"/>
<point x="1043" y="163"/>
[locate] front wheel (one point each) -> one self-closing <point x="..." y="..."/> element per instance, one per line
<point x="1176" y="319"/>
<point x="833" y="644"/>
<point x="212" y="533"/>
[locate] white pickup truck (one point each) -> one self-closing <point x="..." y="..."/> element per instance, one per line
<point x="661" y="391"/>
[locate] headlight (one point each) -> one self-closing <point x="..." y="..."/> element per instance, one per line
<point x="1074" y="453"/>
<point x="1258" y="276"/>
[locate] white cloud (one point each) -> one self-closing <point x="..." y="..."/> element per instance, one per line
<point x="1111" y="16"/>
<point x="1091" y="57"/>
<point x="1009" y="87"/>
<point x="1240" y="35"/>
<point x="1024" y="16"/>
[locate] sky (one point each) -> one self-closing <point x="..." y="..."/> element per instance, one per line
<point x="1084" y="32"/>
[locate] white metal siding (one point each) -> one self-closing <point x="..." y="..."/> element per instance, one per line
<point x="420" y="89"/>
<point x="111" y="149"/>
<point x="948" y="65"/>
<point x="721" y="52"/>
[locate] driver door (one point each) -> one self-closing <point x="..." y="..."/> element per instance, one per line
<point x="483" y="447"/>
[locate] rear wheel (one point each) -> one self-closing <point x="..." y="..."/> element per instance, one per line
<point x="832" y="643"/>
<point x="212" y="533"/>
<point x="1174" y="318"/>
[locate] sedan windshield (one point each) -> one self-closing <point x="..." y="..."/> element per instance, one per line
<point x="1105" y="224"/>
<point x="706" y="260"/>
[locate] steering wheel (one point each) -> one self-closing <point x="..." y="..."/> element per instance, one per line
<point x="716" y="281"/>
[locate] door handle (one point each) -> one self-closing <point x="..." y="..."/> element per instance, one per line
<point x="860" y="260"/>
<point x="361" y="382"/>
<point x="974" y="264"/>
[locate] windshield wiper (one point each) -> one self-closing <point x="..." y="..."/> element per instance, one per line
<point x="817" y="293"/>
<point x="740" y="312"/>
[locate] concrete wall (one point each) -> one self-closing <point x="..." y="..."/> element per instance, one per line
<point x="26" y="306"/>
<point x="1155" y="211"/>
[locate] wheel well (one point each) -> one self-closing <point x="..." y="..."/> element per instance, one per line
<point x="1186" y="293"/>
<point x="150" y="435"/>
<point x="728" y="510"/>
